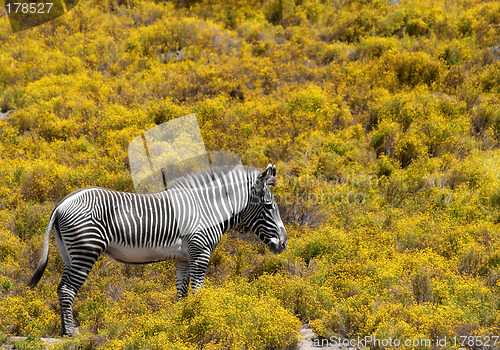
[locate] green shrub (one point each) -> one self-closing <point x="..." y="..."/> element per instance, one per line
<point x="417" y="27"/>
<point x="163" y="111"/>
<point x="486" y="114"/>
<point x="457" y="52"/>
<point x="383" y="139"/>
<point x="30" y="343"/>
<point x="413" y="69"/>
<point x="10" y="246"/>
<point x="373" y="47"/>
<point x="31" y="220"/>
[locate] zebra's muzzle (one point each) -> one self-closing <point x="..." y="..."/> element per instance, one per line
<point x="277" y="246"/>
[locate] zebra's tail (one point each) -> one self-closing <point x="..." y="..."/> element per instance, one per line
<point x="42" y="264"/>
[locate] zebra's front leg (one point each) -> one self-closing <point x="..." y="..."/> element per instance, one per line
<point x="182" y="277"/>
<point x="198" y="268"/>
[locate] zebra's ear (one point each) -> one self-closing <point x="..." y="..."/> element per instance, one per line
<point x="266" y="178"/>
<point x="271" y="173"/>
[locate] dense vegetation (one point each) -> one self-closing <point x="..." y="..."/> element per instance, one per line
<point x="383" y="120"/>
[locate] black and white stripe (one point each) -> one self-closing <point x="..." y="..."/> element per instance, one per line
<point x="184" y="223"/>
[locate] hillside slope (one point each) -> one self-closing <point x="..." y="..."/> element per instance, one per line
<point x="383" y="120"/>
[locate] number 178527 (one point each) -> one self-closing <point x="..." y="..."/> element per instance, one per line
<point x="24" y="7"/>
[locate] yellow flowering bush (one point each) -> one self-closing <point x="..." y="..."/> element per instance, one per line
<point x="27" y="314"/>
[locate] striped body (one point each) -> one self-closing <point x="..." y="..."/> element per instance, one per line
<point x="184" y="223"/>
<point x="130" y="228"/>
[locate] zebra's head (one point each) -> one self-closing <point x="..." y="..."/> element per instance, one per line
<point x="262" y="214"/>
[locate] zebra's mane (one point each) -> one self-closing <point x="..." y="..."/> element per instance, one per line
<point x="208" y="176"/>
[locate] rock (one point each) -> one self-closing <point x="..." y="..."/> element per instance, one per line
<point x="5" y="115"/>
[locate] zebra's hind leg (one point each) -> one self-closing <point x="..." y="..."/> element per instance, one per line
<point x="182" y="277"/>
<point x="71" y="282"/>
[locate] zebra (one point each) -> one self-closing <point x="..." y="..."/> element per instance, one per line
<point x="184" y="223"/>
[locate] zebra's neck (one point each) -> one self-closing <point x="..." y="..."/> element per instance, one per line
<point x="221" y="194"/>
